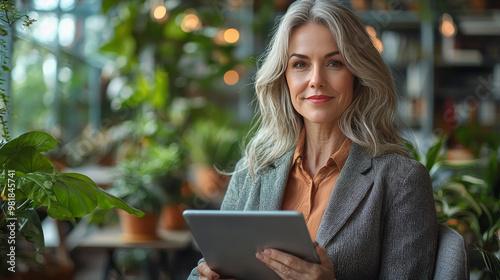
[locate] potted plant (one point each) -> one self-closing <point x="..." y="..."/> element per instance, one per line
<point x="214" y="146"/>
<point x="137" y="188"/>
<point x="151" y="166"/>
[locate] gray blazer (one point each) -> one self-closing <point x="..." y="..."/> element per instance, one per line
<point x="380" y="221"/>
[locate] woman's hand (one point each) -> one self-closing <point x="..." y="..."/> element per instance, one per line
<point x="291" y="267"/>
<point x="207" y="274"/>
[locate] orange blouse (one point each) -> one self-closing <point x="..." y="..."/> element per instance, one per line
<point x="310" y="195"/>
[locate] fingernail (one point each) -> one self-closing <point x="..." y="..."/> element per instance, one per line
<point x="267" y="252"/>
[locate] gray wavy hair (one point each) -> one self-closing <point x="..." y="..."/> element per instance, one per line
<point x="369" y="121"/>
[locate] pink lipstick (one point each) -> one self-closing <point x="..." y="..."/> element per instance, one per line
<point x="319" y="98"/>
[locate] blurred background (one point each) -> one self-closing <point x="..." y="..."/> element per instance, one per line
<point x="146" y="97"/>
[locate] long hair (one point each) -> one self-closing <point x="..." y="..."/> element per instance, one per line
<point x="369" y="121"/>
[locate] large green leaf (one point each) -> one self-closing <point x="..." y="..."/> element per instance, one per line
<point x="28" y="160"/>
<point x="106" y="200"/>
<point x="65" y="198"/>
<point x="31" y="227"/>
<point x="432" y="154"/>
<point x="38" y="187"/>
<point x="69" y="195"/>
<point x="40" y="140"/>
<point x="414" y="152"/>
<point x="74" y="194"/>
<point x="491" y="261"/>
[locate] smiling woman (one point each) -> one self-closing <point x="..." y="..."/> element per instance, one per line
<point x="320" y="85"/>
<point x="327" y="145"/>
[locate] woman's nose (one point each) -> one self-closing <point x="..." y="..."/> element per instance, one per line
<point x="317" y="79"/>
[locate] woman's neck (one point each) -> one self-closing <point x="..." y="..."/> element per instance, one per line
<point x="321" y="143"/>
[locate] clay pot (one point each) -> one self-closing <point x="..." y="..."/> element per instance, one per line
<point x="171" y="217"/>
<point x="361" y="5"/>
<point x="138" y="229"/>
<point x="460" y="154"/>
<point x="209" y="183"/>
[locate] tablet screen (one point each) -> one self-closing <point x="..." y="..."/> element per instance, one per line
<point x="229" y="240"/>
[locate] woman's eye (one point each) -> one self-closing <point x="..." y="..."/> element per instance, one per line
<point x="299" y="64"/>
<point x="335" y="64"/>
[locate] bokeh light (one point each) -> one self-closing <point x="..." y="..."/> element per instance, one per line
<point x="159" y="12"/>
<point x="231" y="77"/>
<point x="231" y="35"/>
<point x="448" y="27"/>
<point x="191" y="22"/>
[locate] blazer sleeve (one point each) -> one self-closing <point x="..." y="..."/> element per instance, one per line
<point x="410" y="226"/>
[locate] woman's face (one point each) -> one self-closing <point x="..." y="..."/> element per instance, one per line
<point x="321" y="86"/>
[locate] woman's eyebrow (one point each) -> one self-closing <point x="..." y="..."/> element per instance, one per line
<point x="307" y="57"/>
<point x="331" y="54"/>
<point x="299" y="56"/>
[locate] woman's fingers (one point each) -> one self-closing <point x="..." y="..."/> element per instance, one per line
<point x="206" y="273"/>
<point x="285" y="265"/>
<point x="323" y="256"/>
<point x="288" y="266"/>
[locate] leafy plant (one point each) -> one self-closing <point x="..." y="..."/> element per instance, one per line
<point x="212" y="143"/>
<point x="150" y="180"/>
<point x="466" y="196"/>
<point x="492" y="262"/>
<point x="29" y="180"/>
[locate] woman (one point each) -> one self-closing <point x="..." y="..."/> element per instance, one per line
<point x="327" y="145"/>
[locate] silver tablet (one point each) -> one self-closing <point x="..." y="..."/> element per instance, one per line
<point x="229" y="240"/>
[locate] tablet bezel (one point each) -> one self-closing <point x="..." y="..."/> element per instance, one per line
<point x="228" y="240"/>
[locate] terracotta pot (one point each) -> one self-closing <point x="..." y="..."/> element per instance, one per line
<point x="209" y="183"/>
<point x="171" y="217"/>
<point x="460" y="154"/>
<point x="138" y="229"/>
<point x="360" y="5"/>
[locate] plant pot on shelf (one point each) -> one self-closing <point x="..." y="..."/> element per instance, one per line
<point x="460" y="154"/>
<point x="361" y="5"/>
<point x="138" y="229"/>
<point x="171" y="217"/>
<point x="209" y="183"/>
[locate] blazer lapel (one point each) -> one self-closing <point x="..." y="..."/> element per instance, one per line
<point x="350" y="188"/>
<point x="273" y="182"/>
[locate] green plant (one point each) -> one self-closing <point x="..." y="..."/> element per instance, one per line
<point x="492" y="262"/>
<point x="29" y="181"/>
<point x="150" y="179"/>
<point x="466" y="196"/>
<point x="213" y="143"/>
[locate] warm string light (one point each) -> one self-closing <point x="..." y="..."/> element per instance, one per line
<point x="448" y="27"/>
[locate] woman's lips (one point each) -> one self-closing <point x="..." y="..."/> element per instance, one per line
<point x="319" y="98"/>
